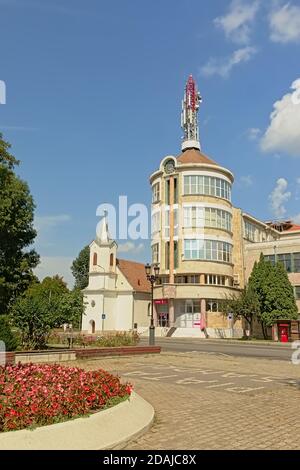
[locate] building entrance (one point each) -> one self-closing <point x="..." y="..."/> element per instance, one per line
<point x="188" y="313"/>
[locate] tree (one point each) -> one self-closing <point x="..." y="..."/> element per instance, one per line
<point x="279" y="301"/>
<point x="6" y="334"/>
<point x="6" y="159"/>
<point x="274" y="291"/>
<point x="260" y="273"/>
<point x="45" y="306"/>
<point x="16" y="231"/>
<point x="245" y="307"/>
<point x="80" y="268"/>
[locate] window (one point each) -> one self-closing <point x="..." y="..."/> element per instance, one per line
<point x="175" y="190"/>
<point x="212" y="306"/>
<point x="188" y="279"/>
<point x="95" y="259"/>
<point x="193" y="217"/>
<point x="297" y="292"/>
<point x="175" y="254"/>
<point x="111" y="259"/>
<point x="290" y="261"/>
<point x="215" y="279"/>
<point x="163" y="280"/>
<point x="270" y="258"/>
<point x="249" y="231"/>
<point x="167" y="255"/>
<point x="155" y="253"/>
<point x="217" y="218"/>
<point x="207" y="185"/>
<point x="155" y="193"/>
<point x="167" y="222"/>
<point x="296" y="257"/>
<point x="207" y="250"/>
<point x="286" y="260"/>
<point x="167" y="191"/>
<point x="190" y="306"/>
<point x="155" y="226"/>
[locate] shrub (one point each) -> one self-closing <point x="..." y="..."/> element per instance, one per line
<point x="6" y="334"/>
<point x="106" y="340"/>
<point x="36" y="395"/>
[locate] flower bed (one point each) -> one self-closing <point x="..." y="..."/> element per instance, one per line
<point x="36" y="395"/>
<point x="82" y="340"/>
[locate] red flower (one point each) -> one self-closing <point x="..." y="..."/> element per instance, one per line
<point x="35" y="394"/>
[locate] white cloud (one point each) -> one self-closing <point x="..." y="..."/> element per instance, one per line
<point x="285" y="24"/>
<point x="246" y="180"/>
<point x="52" y="265"/>
<point x="130" y="247"/>
<point x="283" y="133"/>
<point x="253" y="133"/>
<point x="223" y="67"/>
<point x="47" y="221"/>
<point x="278" y="197"/>
<point x="237" y="23"/>
<point x="298" y="180"/>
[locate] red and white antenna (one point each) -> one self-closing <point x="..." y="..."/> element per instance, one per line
<point x="189" y="115"/>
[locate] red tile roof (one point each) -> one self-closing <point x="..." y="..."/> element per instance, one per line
<point x="135" y="274"/>
<point x="293" y="228"/>
<point x="284" y="226"/>
<point x="194" y="156"/>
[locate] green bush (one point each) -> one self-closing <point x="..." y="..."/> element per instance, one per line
<point x="106" y="340"/>
<point x="7" y="335"/>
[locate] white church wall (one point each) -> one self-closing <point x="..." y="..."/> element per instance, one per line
<point x="141" y="310"/>
<point x="124" y="310"/>
<point x="122" y="283"/>
<point x="92" y="313"/>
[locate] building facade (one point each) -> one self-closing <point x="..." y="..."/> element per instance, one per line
<point x="204" y="245"/>
<point x="117" y="297"/>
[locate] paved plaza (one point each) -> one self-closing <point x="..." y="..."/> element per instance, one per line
<point x="206" y="401"/>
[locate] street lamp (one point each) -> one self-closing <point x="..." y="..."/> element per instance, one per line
<point x="152" y="278"/>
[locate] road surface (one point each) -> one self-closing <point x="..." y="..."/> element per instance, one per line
<point x="225" y="347"/>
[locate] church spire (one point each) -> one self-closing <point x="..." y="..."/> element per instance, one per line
<point x="189" y="115"/>
<point x="104" y="234"/>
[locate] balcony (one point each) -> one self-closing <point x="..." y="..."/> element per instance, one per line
<point x="192" y="291"/>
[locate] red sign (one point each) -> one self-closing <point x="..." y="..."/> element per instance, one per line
<point x="161" y="302"/>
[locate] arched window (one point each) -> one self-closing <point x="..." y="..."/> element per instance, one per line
<point x="95" y="259"/>
<point x="111" y="262"/>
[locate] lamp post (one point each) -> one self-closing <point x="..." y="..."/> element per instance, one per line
<point x="152" y="278"/>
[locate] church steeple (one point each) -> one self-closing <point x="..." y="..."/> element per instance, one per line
<point x="103" y="237"/>
<point x="189" y="115"/>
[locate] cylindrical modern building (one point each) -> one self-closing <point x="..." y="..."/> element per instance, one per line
<point x="192" y="238"/>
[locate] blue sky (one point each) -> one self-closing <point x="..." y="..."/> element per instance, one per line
<point x="93" y="100"/>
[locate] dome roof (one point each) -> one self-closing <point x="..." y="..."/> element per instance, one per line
<point x="194" y="156"/>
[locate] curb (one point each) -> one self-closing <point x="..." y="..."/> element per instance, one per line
<point x="108" y="429"/>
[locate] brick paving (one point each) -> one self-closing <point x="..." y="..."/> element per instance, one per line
<point x="191" y="416"/>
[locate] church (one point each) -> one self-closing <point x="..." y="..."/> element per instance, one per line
<point x="117" y="297"/>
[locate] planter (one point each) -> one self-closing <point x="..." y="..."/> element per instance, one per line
<point x="108" y="429"/>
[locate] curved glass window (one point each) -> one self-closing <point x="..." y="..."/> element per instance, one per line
<point x="196" y="216"/>
<point x="207" y="185"/>
<point x="207" y="250"/>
